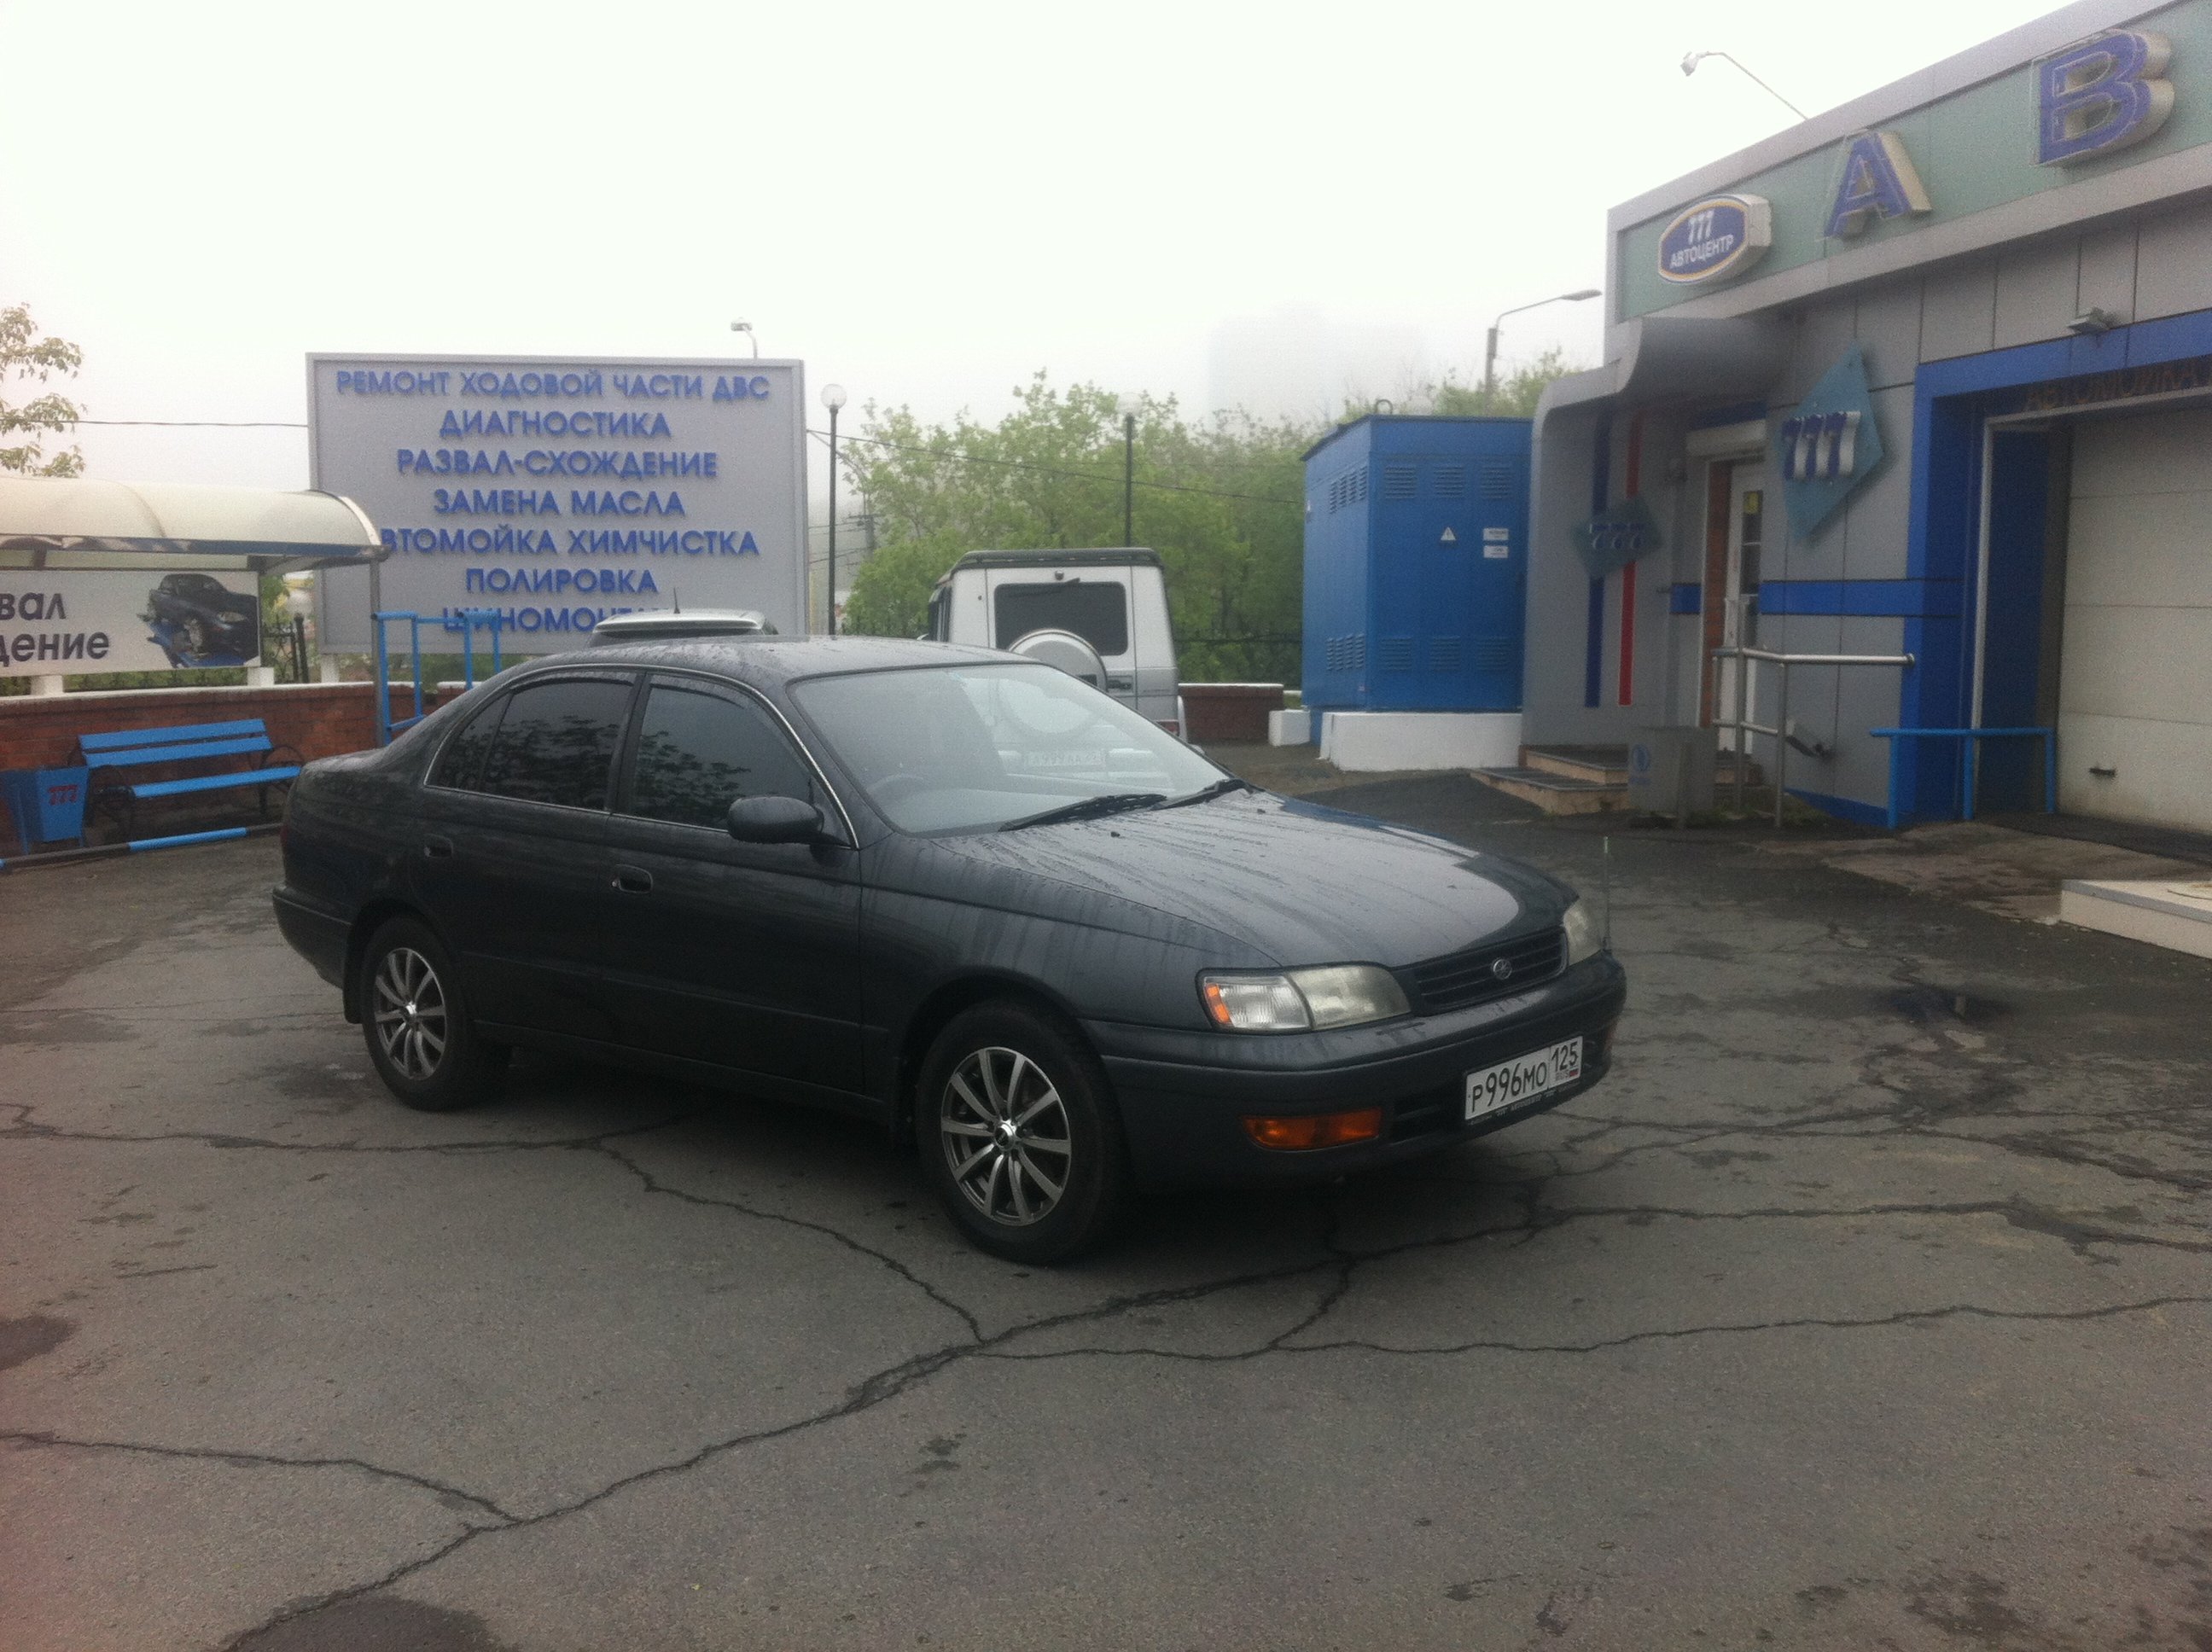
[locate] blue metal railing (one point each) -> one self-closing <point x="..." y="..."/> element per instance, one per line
<point x="470" y="618"/>
<point x="1971" y="738"/>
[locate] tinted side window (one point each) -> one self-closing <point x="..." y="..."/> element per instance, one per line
<point x="697" y="753"/>
<point x="463" y="757"/>
<point x="557" y="743"/>
<point x="1097" y="611"/>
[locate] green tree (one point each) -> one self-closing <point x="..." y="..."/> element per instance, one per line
<point x="24" y="358"/>
<point x="1220" y="502"/>
<point x="1518" y="388"/>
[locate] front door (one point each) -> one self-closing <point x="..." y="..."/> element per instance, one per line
<point x="744" y="955"/>
<point x="1740" y="591"/>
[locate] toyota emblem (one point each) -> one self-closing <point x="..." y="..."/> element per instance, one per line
<point x="1503" y="968"/>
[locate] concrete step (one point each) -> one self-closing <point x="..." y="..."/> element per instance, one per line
<point x="1608" y="765"/>
<point x="1604" y="765"/>
<point x="2175" y="912"/>
<point x="1555" y="794"/>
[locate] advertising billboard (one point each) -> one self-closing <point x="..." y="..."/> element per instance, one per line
<point x="555" y="490"/>
<point x="66" y="621"/>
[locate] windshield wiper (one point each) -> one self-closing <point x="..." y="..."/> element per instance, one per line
<point x="1110" y="803"/>
<point x="1226" y="784"/>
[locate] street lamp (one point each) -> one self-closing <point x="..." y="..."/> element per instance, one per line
<point x="833" y="398"/>
<point x="1691" y="59"/>
<point x="751" y="337"/>
<point x="1128" y="479"/>
<point x="1490" y="344"/>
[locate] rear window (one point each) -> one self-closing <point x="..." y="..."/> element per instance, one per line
<point x="556" y="743"/>
<point x="1097" y="611"/>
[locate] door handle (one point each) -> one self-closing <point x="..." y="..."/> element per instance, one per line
<point x="438" y="848"/>
<point x="636" y="880"/>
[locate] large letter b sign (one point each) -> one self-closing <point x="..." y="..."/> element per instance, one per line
<point x="2103" y="95"/>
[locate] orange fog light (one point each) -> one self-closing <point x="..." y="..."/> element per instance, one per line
<point x="1317" y="1129"/>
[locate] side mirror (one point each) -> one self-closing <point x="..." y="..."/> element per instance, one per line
<point x="774" y="820"/>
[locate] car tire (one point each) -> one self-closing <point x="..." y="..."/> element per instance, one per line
<point x="1015" y="1121"/>
<point x="415" y="1020"/>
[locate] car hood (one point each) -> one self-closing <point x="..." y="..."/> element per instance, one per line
<point x="1298" y="883"/>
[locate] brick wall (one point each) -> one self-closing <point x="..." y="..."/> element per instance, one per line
<point x="316" y="719"/>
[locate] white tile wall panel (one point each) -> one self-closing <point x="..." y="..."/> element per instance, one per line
<point x="1958" y="313"/>
<point x="2108" y="272"/>
<point x="2036" y="287"/>
<point x="2173" y="263"/>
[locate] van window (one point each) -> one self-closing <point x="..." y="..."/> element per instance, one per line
<point x="1097" y="611"/>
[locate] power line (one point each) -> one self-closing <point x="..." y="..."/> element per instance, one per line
<point x="204" y="424"/>
<point x="1050" y="469"/>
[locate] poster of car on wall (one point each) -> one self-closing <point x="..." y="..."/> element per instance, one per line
<point x="65" y="622"/>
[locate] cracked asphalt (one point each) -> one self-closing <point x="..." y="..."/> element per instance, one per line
<point x="1865" y="1305"/>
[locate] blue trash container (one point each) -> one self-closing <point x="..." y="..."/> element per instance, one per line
<point x="47" y="804"/>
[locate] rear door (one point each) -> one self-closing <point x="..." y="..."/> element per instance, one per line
<point x="745" y="955"/>
<point x="1091" y="601"/>
<point x="514" y="865"/>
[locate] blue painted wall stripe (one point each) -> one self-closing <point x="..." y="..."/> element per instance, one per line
<point x="1594" y="630"/>
<point x="1862" y="599"/>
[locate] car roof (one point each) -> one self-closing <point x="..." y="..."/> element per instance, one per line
<point x="1126" y="556"/>
<point x="776" y="658"/>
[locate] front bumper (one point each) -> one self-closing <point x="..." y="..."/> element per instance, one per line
<point x="1184" y="1095"/>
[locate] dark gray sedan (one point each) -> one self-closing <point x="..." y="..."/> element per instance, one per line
<point x="957" y="893"/>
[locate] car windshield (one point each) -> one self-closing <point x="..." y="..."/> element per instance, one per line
<point x="974" y="747"/>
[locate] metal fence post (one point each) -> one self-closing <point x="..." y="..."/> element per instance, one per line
<point x="1781" y="741"/>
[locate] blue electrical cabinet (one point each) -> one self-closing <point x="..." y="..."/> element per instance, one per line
<point x="1416" y="564"/>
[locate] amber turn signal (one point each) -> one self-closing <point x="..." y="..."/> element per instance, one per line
<point x="1317" y="1129"/>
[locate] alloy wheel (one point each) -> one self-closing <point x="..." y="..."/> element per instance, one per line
<point x="411" y="1013"/>
<point x="1003" y="1130"/>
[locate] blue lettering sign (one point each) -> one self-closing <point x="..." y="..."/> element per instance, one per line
<point x="1722" y="235"/>
<point x="1879" y="182"/>
<point x="2101" y="95"/>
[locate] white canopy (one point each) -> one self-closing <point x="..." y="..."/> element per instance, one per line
<point x="63" y="518"/>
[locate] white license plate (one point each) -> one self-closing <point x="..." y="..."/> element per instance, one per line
<point x="1524" y="1078"/>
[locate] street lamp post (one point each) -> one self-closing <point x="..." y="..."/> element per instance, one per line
<point x="1691" y="59"/>
<point x="1490" y="343"/>
<point x="1128" y="478"/>
<point x="833" y="398"/>
<point x="751" y="337"/>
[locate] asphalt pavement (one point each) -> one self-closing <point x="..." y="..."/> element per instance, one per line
<point x="1865" y="1305"/>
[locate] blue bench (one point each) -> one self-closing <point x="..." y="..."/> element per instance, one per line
<point x="248" y="736"/>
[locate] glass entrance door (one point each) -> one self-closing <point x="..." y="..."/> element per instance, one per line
<point x="1740" y="595"/>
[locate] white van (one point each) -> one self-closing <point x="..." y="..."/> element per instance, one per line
<point x="1100" y="615"/>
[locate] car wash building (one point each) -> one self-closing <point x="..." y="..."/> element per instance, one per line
<point x="1925" y="384"/>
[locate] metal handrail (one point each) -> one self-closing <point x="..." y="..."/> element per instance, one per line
<point x="387" y="723"/>
<point x="1742" y="724"/>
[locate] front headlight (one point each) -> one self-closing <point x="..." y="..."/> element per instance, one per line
<point x="1300" y="1000"/>
<point x="1584" y="937"/>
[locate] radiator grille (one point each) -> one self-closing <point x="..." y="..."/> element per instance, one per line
<point x="1346" y="653"/>
<point x="1463" y="978"/>
<point x="1494" y="654"/>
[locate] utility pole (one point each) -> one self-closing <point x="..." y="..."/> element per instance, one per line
<point x="833" y="398"/>
<point x="1128" y="478"/>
